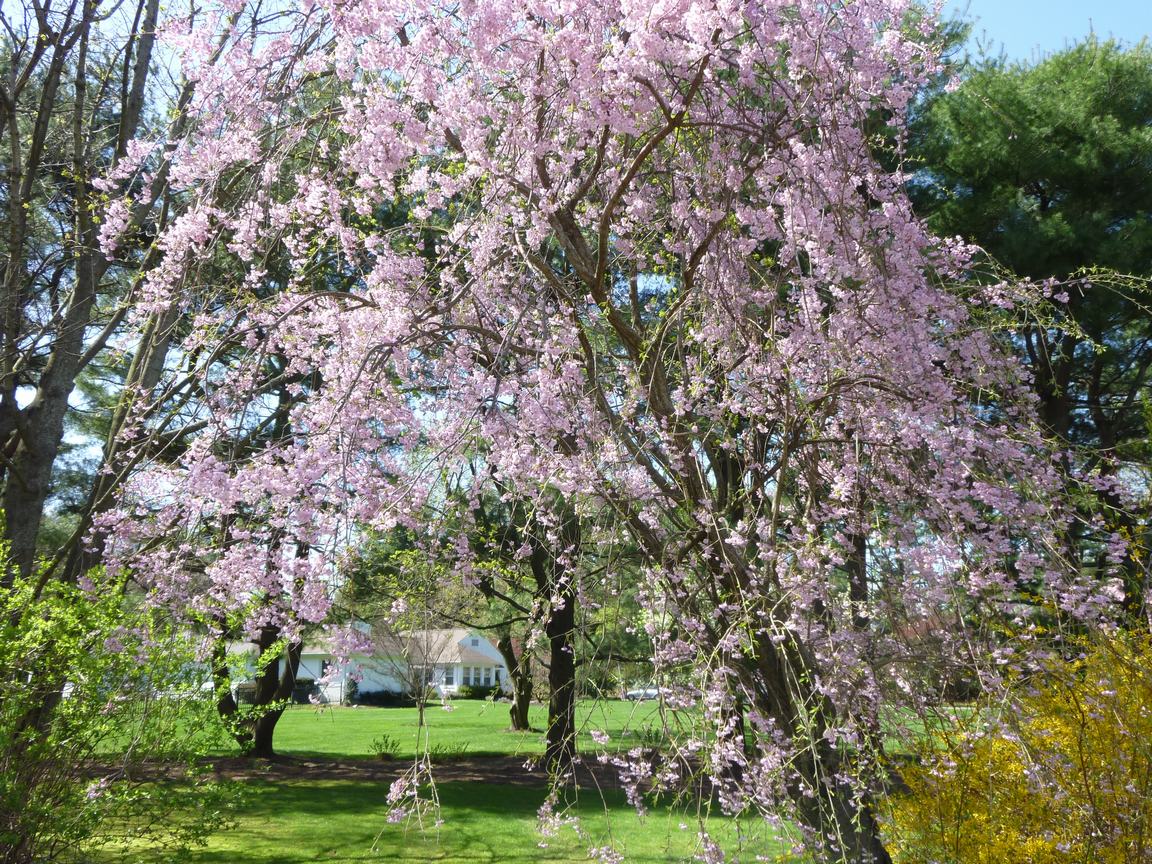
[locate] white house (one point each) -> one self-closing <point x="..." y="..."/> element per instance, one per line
<point x="442" y="659"/>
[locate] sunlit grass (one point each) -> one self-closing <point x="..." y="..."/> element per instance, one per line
<point x="345" y="821"/>
<point x="471" y="728"/>
<point x="302" y="820"/>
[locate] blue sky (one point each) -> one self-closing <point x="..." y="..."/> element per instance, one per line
<point x="1027" y="28"/>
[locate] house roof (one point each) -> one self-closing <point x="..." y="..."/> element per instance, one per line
<point x="448" y="645"/>
<point x="431" y="646"/>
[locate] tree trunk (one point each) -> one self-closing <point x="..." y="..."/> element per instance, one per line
<point x="552" y="552"/>
<point x="843" y="823"/>
<point x="263" y="728"/>
<point x="560" y="749"/>
<point x="32" y="436"/>
<point x="520" y="676"/>
<point x="273" y="690"/>
<point x="837" y="814"/>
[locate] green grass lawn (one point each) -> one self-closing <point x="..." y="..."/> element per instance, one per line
<point x="345" y="821"/>
<point x="481" y="728"/>
<point x="326" y="820"/>
<point x="298" y="820"/>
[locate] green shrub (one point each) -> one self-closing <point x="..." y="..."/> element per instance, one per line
<point x="92" y="690"/>
<point x="445" y="752"/>
<point x="385" y="699"/>
<point x="303" y="691"/>
<point x="384" y="746"/>
<point x="474" y="691"/>
<point x="1060" y="773"/>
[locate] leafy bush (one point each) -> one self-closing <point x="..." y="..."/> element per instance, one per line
<point x="303" y="690"/>
<point x="445" y="752"/>
<point x="653" y="737"/>
<point x="384" y="746"/>
<point x="91" y="691"/>
<point x="1062" y="774"/>
<point x="384" y="699"/>
<point x="474" y="691"/>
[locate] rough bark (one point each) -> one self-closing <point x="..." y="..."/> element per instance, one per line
<point x="560" y="628"/>
<point x="551" y="567"/>
<point x="519" y="666"/>
<point x="264" y="726"/>
<point x="274" y="683"/>
<point x="839" y="815"/>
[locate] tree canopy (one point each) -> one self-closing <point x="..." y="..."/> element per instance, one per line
<point x="558" y="301"/>
<point x="1047" y="166"/>
<point x="645" y="264"/>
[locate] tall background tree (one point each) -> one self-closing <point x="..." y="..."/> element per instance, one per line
<point x="80" y="212"/>
<point x="85" y="114"/>
<point x="1048" y="167"/>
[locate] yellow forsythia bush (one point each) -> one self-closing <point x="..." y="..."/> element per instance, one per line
<point x="1061" y="773"/>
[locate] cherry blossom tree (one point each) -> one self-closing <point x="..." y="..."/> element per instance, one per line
<point x="625" y="255"/>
